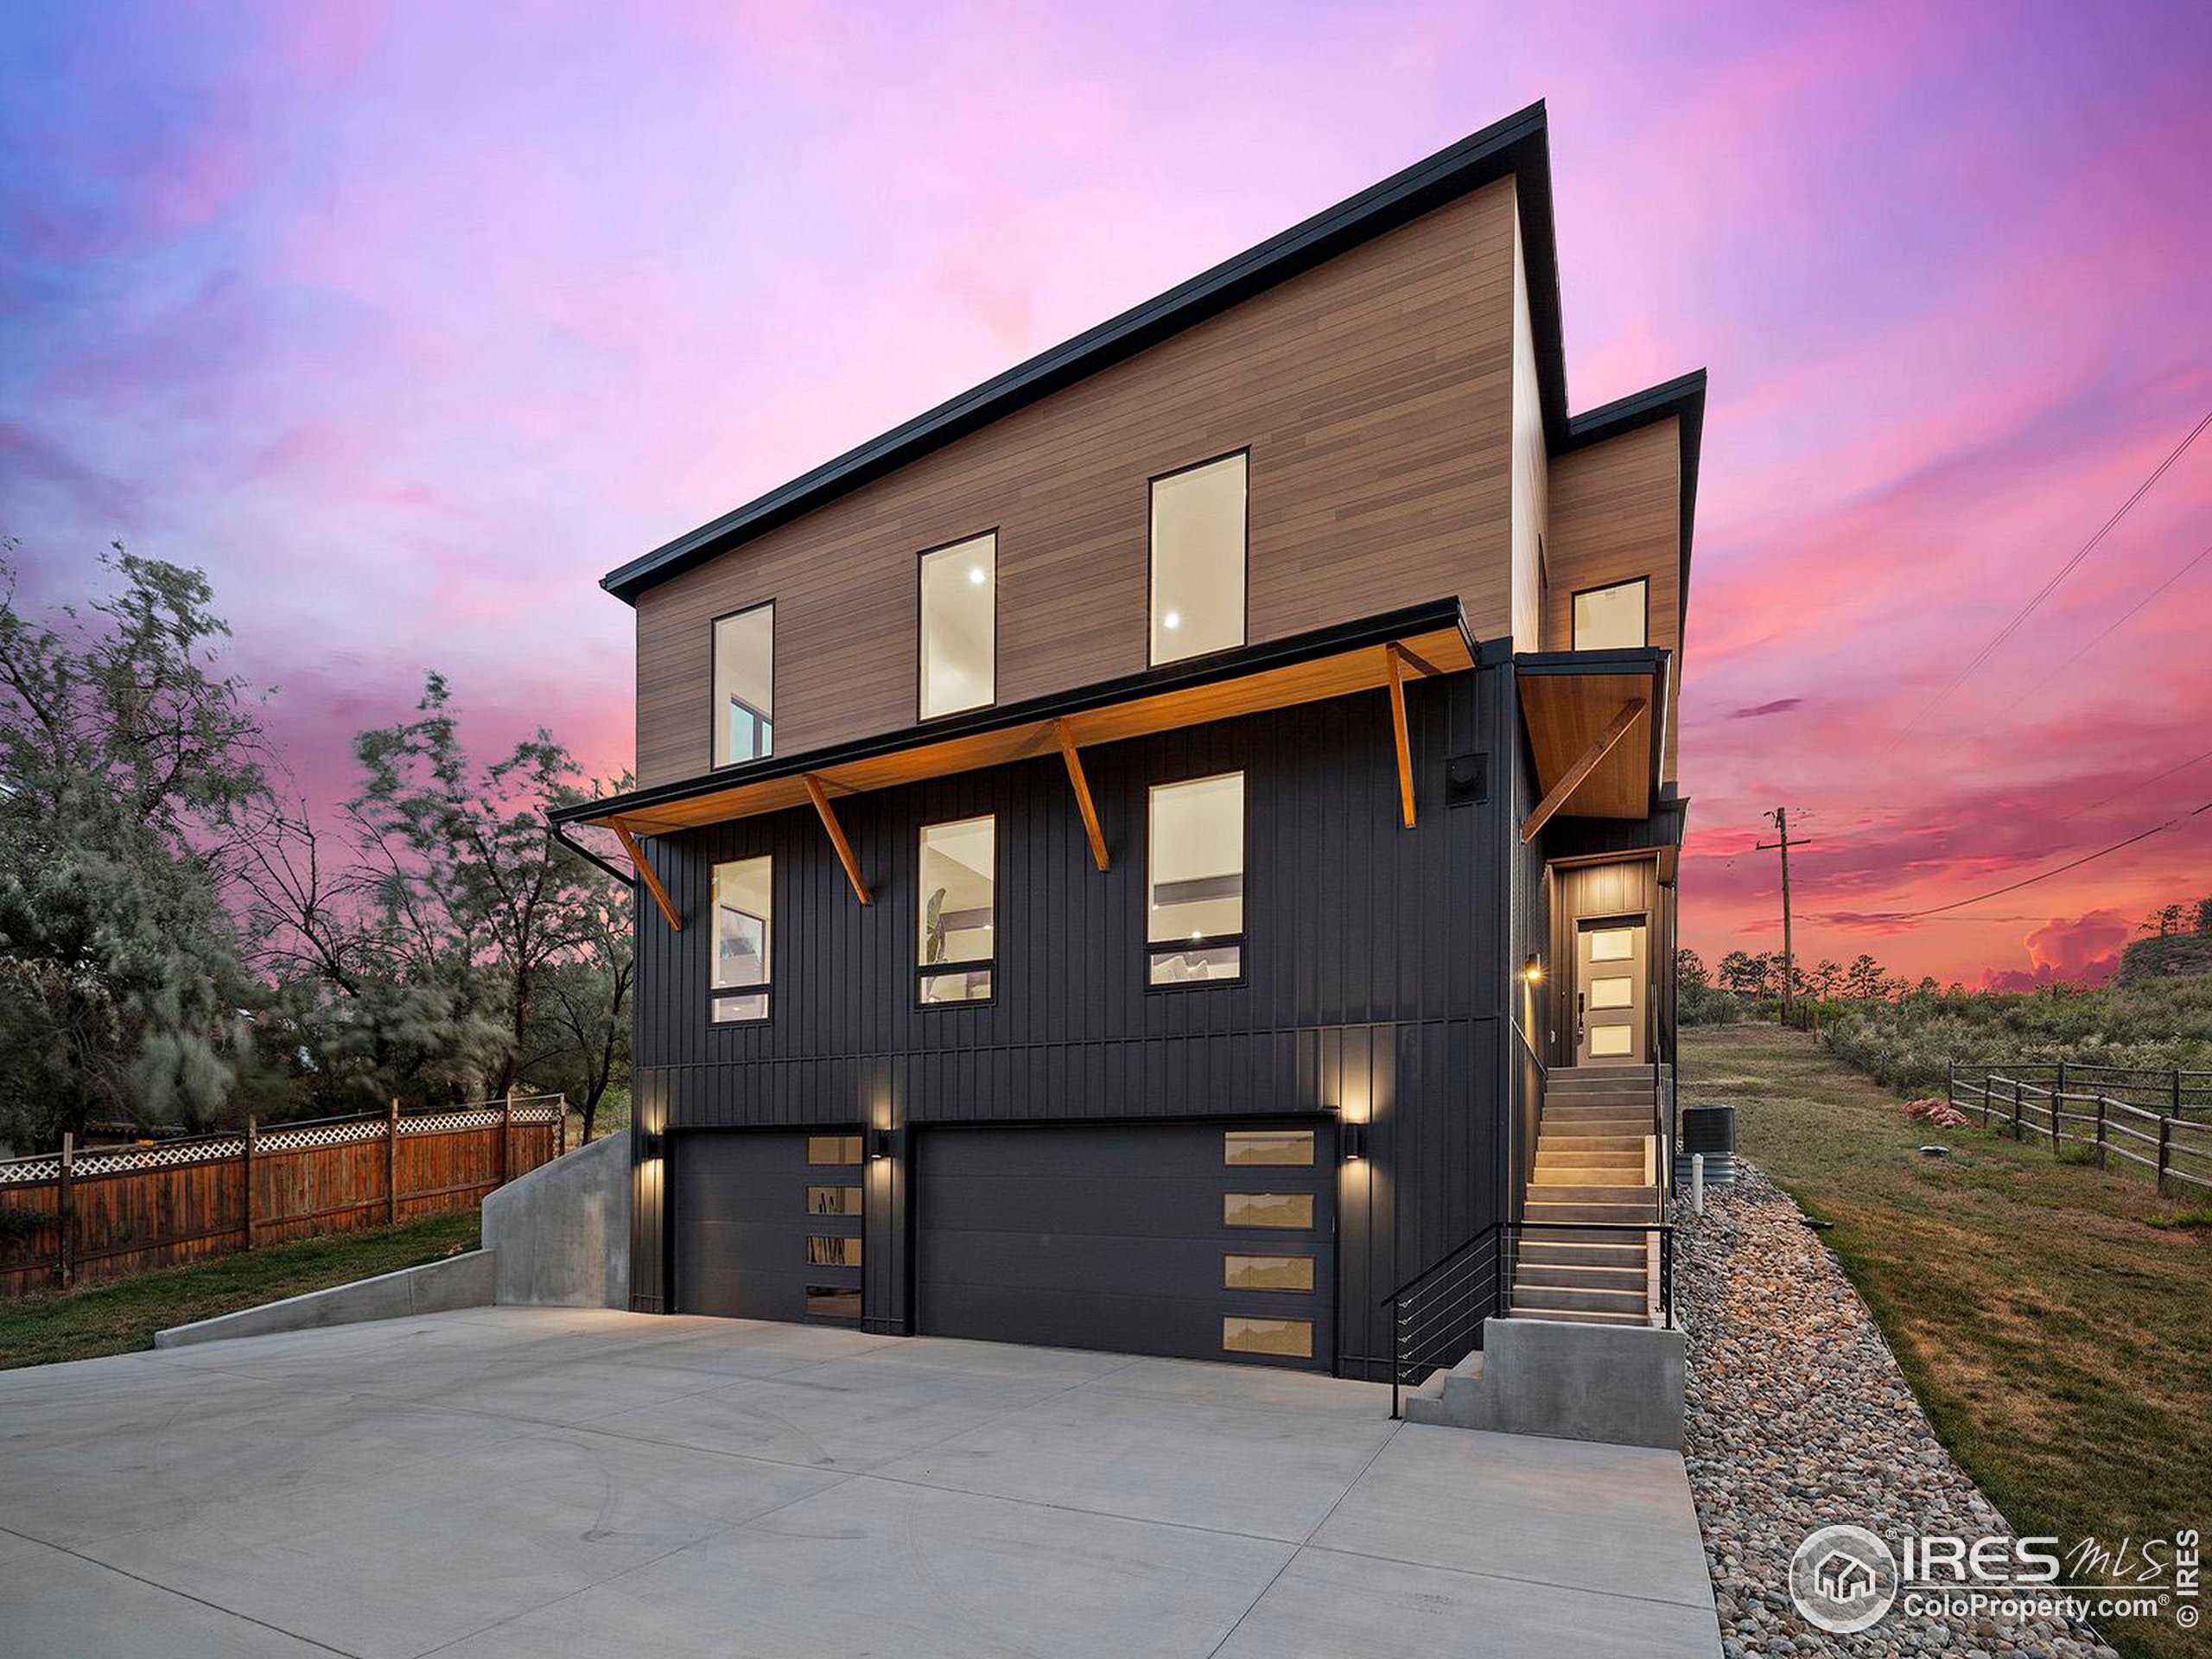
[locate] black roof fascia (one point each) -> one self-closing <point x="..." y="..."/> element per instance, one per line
<point x="1384" y="628"/>
<point x="1518" y="146"/>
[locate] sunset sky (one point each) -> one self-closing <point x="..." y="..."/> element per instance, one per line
<point x="408" y="321"/>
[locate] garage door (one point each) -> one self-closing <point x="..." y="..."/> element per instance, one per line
<point x="768" y="1225"/>
<point x="1203" y="1243"/>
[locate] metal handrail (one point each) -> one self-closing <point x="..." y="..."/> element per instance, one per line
<point x="1498" y="1270"/>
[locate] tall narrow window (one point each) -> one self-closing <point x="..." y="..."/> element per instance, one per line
<point x="744" y="685"/>
<point x="959" y="910"/>
<point x="1614" y="618"/>
<point x="1194" y="922"/>
<point x="1198" y="560"/>
<point x="960" y="588"/>
<point x="744" y="911"/>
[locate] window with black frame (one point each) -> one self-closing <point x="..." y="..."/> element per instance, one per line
<point x="958" y="916"/>
<point x="744" y="685"/>
<point x="744" y="901"/>
<point x="1194" y="919"/>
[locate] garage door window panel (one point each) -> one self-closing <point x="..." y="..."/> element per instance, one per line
<point x="1278" y="1339"/>
<point x="1281" y="1210"/>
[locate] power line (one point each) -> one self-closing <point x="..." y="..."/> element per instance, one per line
<point x="2051" y="678"/>
<point x="2050" y="587"/>
<point x="2075" y="864"/>
<point x="2143" y="783"/>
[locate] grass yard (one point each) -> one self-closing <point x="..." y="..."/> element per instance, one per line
<point x="121" y="1317"/>
<point x="2055" y="1321"/>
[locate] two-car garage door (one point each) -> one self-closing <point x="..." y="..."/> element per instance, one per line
<point x="1203" y="1243"/>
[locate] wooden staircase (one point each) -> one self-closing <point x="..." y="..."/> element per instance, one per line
<point x="1594" y="1163"/>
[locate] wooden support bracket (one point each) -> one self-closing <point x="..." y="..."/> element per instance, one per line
<point x="646" y="874"/>
<point x="1571" y="779"/>
<point x="1082" y="786"/>
<point x="1399" y="733"/>
<point x="821" y="799"/>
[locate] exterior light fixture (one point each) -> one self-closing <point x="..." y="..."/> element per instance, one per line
<point x="879" y="1142"/>
<point x="1533" y="970"/>
<point x="1353" y="1138"/>
<point x="652" y="1144"/>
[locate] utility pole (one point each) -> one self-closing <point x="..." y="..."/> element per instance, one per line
<point x="1780" y="818"/>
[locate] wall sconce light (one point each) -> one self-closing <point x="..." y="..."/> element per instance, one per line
<point x="881" y="1142"/>
<point x="1533" y="970"/>
<point x="652" y="1144"/>
<point x="1352" y="1137"/>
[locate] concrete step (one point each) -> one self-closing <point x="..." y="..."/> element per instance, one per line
<point x="1618" y="1166"/>
<point x="1581" y="1174"/>
<point x="1575" y="1149"/>
<point x="1637" y="1119"/>
<point x="1578" y="1316"/>
<point x="1593" y="1193"/>
<point x="1536" y="1211"/>
<point x="1552" y="1298"/>
<point x="1628" y="1275"/>
<point x="1538" y="1252"/>
<point x="1596" y="1141"/>
<point x="1572" y="1075"/>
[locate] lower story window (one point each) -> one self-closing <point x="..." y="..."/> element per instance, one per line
<point x="1194" y="881"/>
<point x="744" y="900"/>
<point x="958" y="890"/>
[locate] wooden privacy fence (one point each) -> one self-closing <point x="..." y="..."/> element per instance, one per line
<point x="2090" y="1106"/>
<point x="84" y="1215"/>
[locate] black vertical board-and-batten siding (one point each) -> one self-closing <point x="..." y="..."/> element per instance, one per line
<point x="1375" y="972"/>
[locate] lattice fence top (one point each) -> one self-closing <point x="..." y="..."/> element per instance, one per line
<point x="205" y="1149"/>
<point x="320" y="1135"/>
<point x="446" y="1123"/>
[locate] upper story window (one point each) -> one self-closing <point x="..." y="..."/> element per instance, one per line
<point x="960" y="591"/>
<point x="744" y="917"/>
<point x="744" y="685"/>
<point x="1194" y="881"/>
<point x="958" y="915"/>
<point x="1198" y="560"/>
<point x="1615" y="618"/>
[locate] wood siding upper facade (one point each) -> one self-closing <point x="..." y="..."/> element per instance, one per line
<point x="1373" y="394"/>
<point x="1616" y="515"/>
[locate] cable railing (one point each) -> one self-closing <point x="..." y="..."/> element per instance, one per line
<point x="1436" y="1316"/>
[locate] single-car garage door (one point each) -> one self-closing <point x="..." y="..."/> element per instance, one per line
<point x="768" y="1224"/>
<point x="1202" y="1243"/>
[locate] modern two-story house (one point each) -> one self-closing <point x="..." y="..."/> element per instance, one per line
<point x="1167" y="847"/>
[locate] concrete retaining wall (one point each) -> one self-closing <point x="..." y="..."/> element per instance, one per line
<point x="562" y="1233"/>
<point x="435" y="1287"/>
<point x="1619" y="1384"/>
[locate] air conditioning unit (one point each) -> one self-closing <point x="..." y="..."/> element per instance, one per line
<point x="1710" y="1131"/>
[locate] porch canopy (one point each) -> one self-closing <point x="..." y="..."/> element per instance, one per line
<point x="1595" y="720"/>
<point x="1381" y="651"/>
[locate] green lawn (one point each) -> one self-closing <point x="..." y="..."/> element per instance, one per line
<point x="121" y="1316"/>
<point x="2055" y="1320"/>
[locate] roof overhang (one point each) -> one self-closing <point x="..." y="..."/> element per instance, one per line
<point x="1516" y="148"/>
<point x="1594" y="720"/>
<point x="1425" y="640"/>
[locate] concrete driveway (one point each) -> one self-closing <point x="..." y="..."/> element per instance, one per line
<point x="535" y="1481"/>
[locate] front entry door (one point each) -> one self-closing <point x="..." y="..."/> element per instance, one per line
<point x="1613" y="980"/>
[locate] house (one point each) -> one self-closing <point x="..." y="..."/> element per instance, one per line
<point x="1169" y="846"/>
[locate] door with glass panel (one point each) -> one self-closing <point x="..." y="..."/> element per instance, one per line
<point x="1611" y="988"/>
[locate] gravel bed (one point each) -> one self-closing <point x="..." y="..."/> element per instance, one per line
<point x="1799" y="1418"/>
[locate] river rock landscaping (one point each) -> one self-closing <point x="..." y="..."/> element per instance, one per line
<point x="1799" y="1418"/>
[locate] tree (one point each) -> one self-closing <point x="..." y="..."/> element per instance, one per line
<point x="1864" y="980"/>
<point x="130" y="773"/>
<point x="1739" y="972"/>
<point x="1689" y="970"/>
<point x="1826" y="976"/>
<point x="449" y="946"/>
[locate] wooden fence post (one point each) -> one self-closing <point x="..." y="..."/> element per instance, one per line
<point x="246" y="1176"/>
<point x="2177" y="1091"/>
<point x="391" y="1165"/>
<point x="2017" y="1135"/>
<point x="65" y="1263"/>
<point x="506" y="1133"/>
<point x="2165" y="1151"/>
<point x="2100" y="1132"/>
